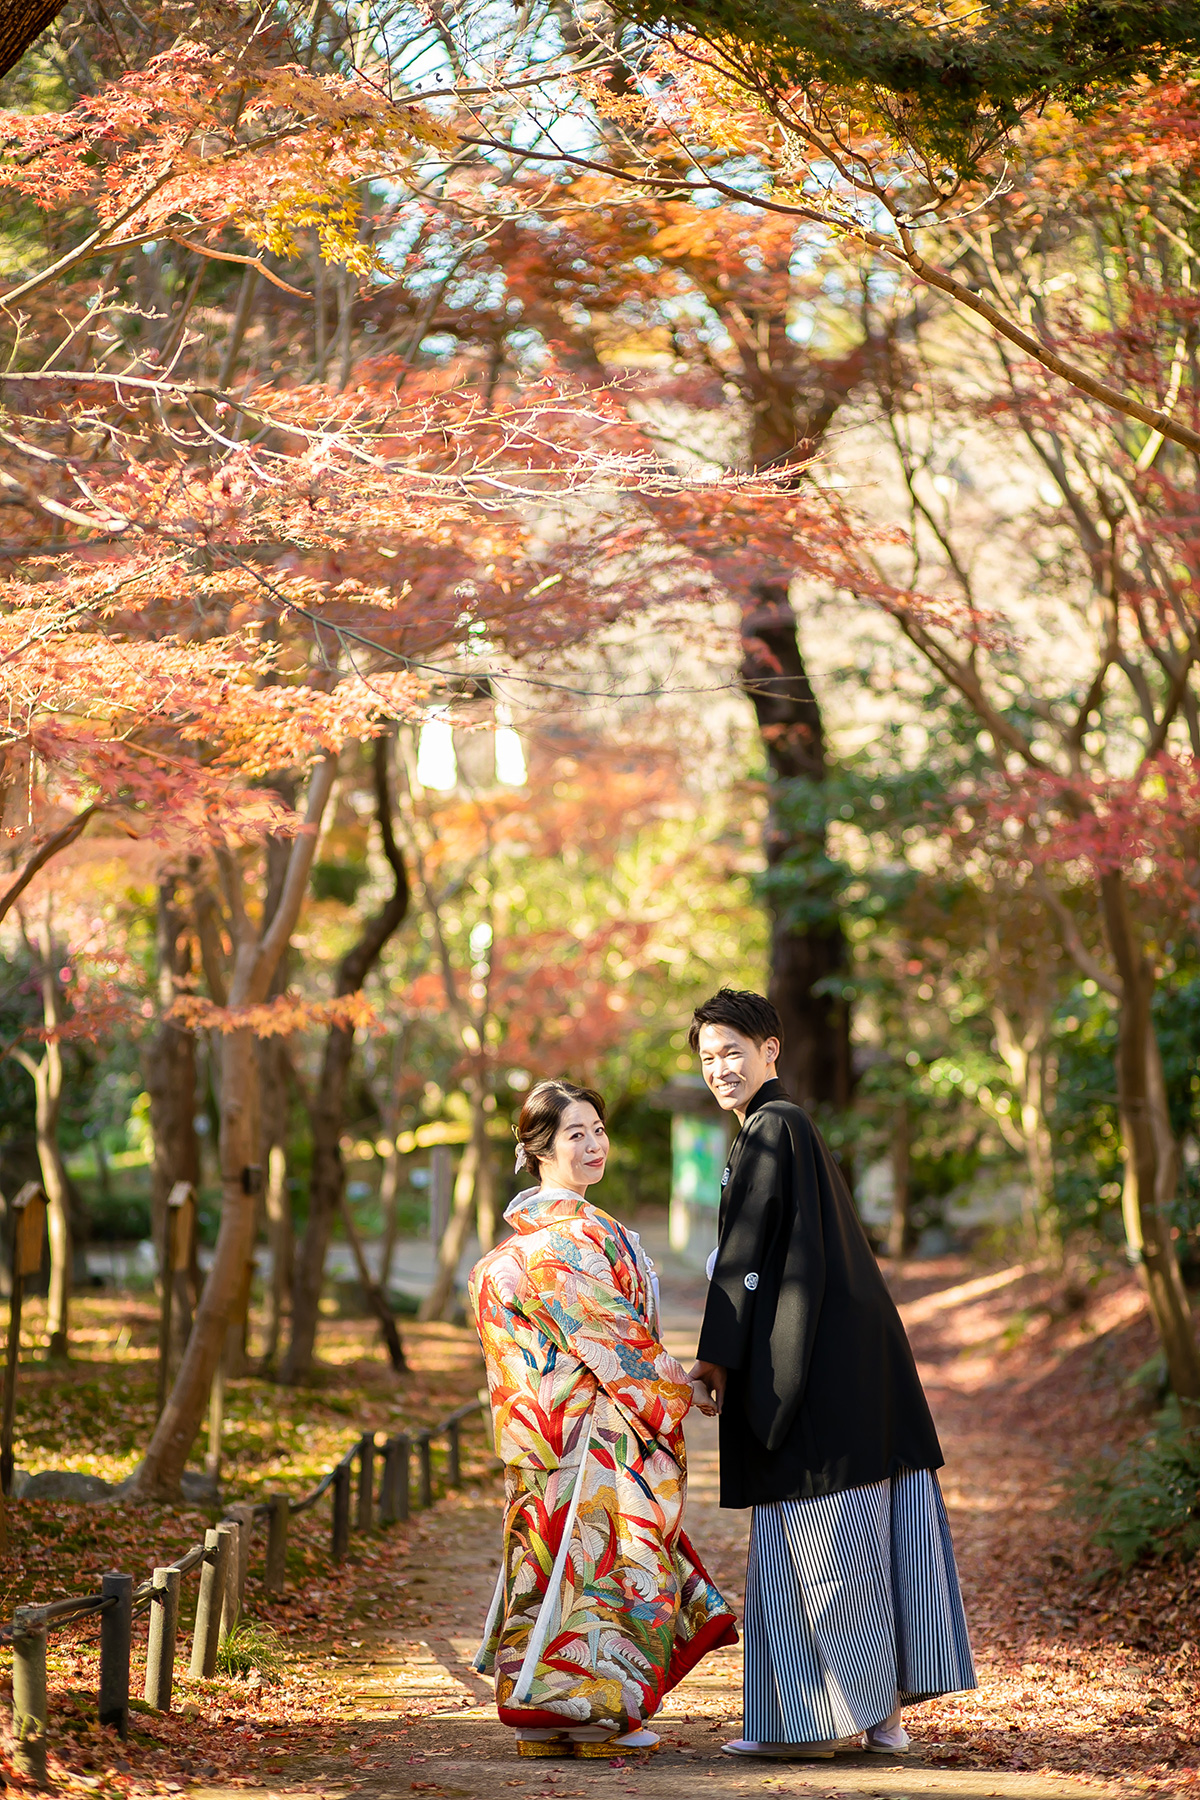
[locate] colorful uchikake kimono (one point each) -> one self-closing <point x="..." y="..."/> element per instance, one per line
<point x="601" y="1604"/>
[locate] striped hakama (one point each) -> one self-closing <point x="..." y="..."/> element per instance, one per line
<point x="852" y="1605"/>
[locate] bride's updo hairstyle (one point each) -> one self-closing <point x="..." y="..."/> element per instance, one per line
<point x="541" y="1116"/>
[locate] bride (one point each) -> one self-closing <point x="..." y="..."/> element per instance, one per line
<point x="601" y="1604"/>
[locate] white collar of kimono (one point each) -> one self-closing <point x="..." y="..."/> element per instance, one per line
<point x="531" y="1201"/>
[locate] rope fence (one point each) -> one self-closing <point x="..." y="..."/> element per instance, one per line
<point x="223" y="1560"/>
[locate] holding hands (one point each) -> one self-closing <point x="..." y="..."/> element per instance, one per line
<point x="708" y="1387"/>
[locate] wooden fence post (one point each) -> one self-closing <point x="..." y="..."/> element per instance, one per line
<point x="340" y="1528"/>
<point x="454" y="1454"/>
<point x="366" y="1481"/>
<point x="29" y="1694"/>
<point x="387" y="1486"/>
<point x="424" y="1470"/>
<point x="403" y="1475"/>
<point x="275" y="1579"/>
<point x="208" y="1602"/>
<point x="116" y="1638"/>
<point x="164" y="1628"/>
<point x="29" y="1222"/>
<point x="243" y="1516"/>
<point x="230" y="1531"/>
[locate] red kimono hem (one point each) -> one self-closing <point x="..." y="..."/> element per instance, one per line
<point x="715" y="1635"/>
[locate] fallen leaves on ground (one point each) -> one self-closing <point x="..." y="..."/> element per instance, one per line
<point x="1082" y="1670"/>
<point x="229" y="1731"/>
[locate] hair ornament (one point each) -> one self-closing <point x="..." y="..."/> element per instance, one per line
<point x="522" y="1159"/>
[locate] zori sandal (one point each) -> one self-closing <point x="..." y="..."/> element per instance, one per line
<point x="821" y="1752"/>
<point x="589" y="1742"/>
<point x="889" y="1739"/>
<point x="543" y="1743"/>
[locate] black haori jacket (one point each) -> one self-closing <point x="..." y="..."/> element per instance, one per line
<point x="823" y="1390"/>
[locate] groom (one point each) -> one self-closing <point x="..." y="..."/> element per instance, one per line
<point x="852" y="1599"/>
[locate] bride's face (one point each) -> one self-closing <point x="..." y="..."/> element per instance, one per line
<point x="579" y="1151"/>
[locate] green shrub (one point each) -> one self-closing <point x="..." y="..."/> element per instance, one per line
<point x="338" y="881"/>
<point x="1146" y="1504"/>
<point x="250" y="1645"/>
<point x="122" y="1218"/>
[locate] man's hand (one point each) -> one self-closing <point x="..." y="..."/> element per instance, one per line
<point x="709" y="1379"/>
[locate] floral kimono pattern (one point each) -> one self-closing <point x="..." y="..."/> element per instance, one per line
<point x="601" y="1604"/>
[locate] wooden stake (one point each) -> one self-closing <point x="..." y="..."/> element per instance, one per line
<point x="29" y="1694"/>
<point x="340" y="1525"/>
<point x="366" y="1481"/>
<point x="116" y="1639"/>
<point x="208" y="1603"/>
<point x="164" y="1629"/>
<point x="275" y="1579"/>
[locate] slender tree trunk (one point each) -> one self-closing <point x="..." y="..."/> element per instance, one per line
<point x="319" y="316"/>
<point x="389" y="1192"/>
<point x="327" y="1107"/>
<point x="1151" y="1152"/>
<point x="485" y="1192"/>
<point x="1030" y="1068"/>
<point x="255" y="960"/>
<point x="897" y="1240"/>
<point x="169" y="1071"/>
<point x="280" y="1238"/>
<point x="807" y="943"/>
<point x="437" y="1301"/>
<point x="325" y="1187"/>
<point x="47" y="1076"/>
<point x="54" y="1179"/>
<point x="374" y="1294"/>
<point x="344" y="343"/>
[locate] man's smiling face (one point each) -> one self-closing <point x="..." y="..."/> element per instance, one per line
<point x="734" y="1066"/>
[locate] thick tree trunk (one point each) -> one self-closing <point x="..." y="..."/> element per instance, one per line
<point x="182" y="1417"/>
<point x="169" y="1071"/>
<point x="327" y="1108"/>
<point x="807" y="944"/>
<point x="22" y="22"/>
<point x="255" y="961"/>
<point x="1151" y="1152"/>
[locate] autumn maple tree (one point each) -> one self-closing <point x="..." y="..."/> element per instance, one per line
<point x="1091" y="797"/>
<point x="234" y="560"/>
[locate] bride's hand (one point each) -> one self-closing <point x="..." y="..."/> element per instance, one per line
<point x="702" y="1400"/>
<point x="708" y="1384"/>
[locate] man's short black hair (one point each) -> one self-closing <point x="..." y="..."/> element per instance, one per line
<point x="748" y="1013"/>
